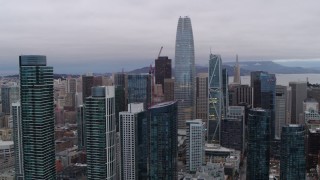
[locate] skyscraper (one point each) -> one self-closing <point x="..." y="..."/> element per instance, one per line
<point x="5" y="99"/>
<point x="168" y="89"/>
<point x="184" y="86"/>
<point x="101" y="133"/>
<point x="87" y="84"/>
<point x="202" y="96"/>
<point x="163" y="141"/>
<point x="280" y="109"/>
<point x="258" y="144"/>
<point x="237" y="78"/>
<point x="233" y="129"/>
<point x="292" y="160"/>
<point x="134" y="142"/>
<point x="9" y="95"/>
<point x="17" y="139"/>
<point x="264" y="93"/>
<point x="139" y="89"/>
<point x="121" y="94"/>
<point x="215" y="98"/>
<point x="299" y="94"/>
<point x="81" y="126"/>
<point x="239" y="94"/>
<point x="37" y="116"/>
<point x="195" y="142"/>
<point x="163" y="70"/>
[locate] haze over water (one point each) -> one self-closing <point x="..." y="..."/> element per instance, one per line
<point x="284" y="79"/>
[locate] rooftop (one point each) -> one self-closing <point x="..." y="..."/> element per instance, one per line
<point x="168" y="103"/>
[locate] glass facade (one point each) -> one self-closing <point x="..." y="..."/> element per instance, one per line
<point x="292" y="160"/>
<point x="81" y="128"/>
<point x="100" y="133"/>
<point x="184" y="86"/>
<point x="264" y="94"/>
<point x="258" y="144"/>
<point x="17" y="139"/>
<point x="163" y="141"/>
<point x="215" y="98"/>
<point x="37" y="115"/>
<point x="139" y="89"/>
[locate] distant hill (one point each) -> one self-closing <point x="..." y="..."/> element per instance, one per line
<point x="246" y="68"/>
<point x="273" y="67"/>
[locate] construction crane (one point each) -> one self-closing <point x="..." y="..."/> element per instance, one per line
<point x="160" y="51"/>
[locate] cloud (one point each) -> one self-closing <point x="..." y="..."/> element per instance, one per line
<point x="116" y="32"/>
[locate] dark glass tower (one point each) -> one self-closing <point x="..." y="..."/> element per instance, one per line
<point x="100" y="133"/>
<point x="292" y="160"/>
<point x="184" y="86"/>
<point x="87" y="84"/>
<point x="162" y="70"/>
<point x="37" y="115"/>
<point x="139" y="89"/>
<point x="81" y="125"/>
<point x="163" y="141"/>
<point x="121" y="94"/>
<point x="258" y="144"/>
<point x="264" y="94"/>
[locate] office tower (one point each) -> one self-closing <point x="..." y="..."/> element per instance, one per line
<point x="313" y="145"/>
<point x="81" y="125"/>
<point x="280" y="109"/>
<point x="225" y="90"/>
<point x="87" y="84"/>
<point x="37" y="116"/>
<point x="258" y="144"/>
<point x="313" y="92"/>
<point x="237" y="78"/>
<point x="163" y="141"/>
<point x="233" y="129"/>
<point x="202" y="96"/>
<point x="168" y="91"/>
<point x="292" y="160"/>
<point x="162" y="70"/>
<point x="264" y="92"/>
<point x="184" y="85"/>
<point x="71" y="85"/>
<point x="215" y="98"/>
<point x="139" y="89"/>
<point x="101" y="133"/>
<point x="5" y="99"/>
<point x="9" y="95"/>
<point x="289" y="106"/>
<point x="195" y="142"/>
<point x="299" y="94"/>
<point x="17" y="139"/>
<point x="121" y="94"/>
<point x="134" y="142"/>
<point x="239" y="94"/>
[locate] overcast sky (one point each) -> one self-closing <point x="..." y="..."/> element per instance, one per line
<point x="106" y="35"/>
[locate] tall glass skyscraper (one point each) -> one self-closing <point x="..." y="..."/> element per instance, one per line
<point x="184" y="86"/>
<point x="163" y="141"/>
<point x="292" y="160"/>
<point x="258" y="144"/>
<point x="37" y="115"/>
<point x="264" y="94"/>
<point x="101" y="133"/>
<point x="216" y="98"/>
